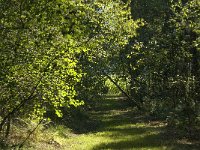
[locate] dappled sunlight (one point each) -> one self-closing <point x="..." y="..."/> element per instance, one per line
<point x="116" y="127"/>
<point x="100" y="74"/>
<point x="121" y="127"/>
<point x="131" y="136"/>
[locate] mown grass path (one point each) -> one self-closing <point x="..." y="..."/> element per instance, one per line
<point x="116" y="126"/>
<point x="111" y="125"/>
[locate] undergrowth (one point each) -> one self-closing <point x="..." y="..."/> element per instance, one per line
<point x="111" y="125"/>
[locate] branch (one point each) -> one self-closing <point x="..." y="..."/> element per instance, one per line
<point x="24" y="101"/>
<point x="128" y="96"/>
<point x="22" y="144"/>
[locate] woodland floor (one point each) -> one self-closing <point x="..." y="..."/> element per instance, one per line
<point x="116" y="126"/>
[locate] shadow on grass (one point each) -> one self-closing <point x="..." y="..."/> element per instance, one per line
<point x="107" y="113"/>
<point x="148" y="142"/>
<point x="125" y="132"/>
<point x="77" y="120"/>
<point x="115" y="103"/>
<point x="125" y="127"/>
<point x="113" y="118"/>
<point x="133" y="132"/>
<point x="81" y="121"/>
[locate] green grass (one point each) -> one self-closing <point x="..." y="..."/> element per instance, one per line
<point x="113" y="125"/>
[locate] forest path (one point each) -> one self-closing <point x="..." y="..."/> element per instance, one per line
<point x="116" y="126"/>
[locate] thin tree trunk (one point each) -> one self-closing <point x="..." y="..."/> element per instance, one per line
<point x="123" y="92"/>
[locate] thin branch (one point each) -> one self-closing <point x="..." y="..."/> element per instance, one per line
<point x="128" y="96"/>
<point x="22" y="144"/>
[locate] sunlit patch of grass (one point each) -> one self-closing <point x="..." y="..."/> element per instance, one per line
<point x="136" y="136"/>
<point x="119" y="127"/>
<point x="116" y="138"/>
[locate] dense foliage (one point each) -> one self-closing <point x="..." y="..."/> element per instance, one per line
<point x="49" y="50"/>
<point x="163" y="62"/>
<point x="61" y="53"/>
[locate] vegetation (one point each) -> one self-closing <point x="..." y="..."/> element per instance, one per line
<point x="111" y="125"/>
<point x="45" y="45"/>
<point x="60" y="58"/>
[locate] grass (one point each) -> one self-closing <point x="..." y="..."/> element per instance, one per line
<point x="113" y="125"/>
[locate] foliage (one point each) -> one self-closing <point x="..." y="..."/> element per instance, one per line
<point x="48" y="52"/>
<point x="117" y="128"/>
<point x="161" y="64"/>
<point x="61" y="54"/>
<point x="163" y="61"/>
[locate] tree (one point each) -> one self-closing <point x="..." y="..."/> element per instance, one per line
<point x="161" y="63"/>
<point x="44" y="47"/>
<point x="165" y="64"/>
